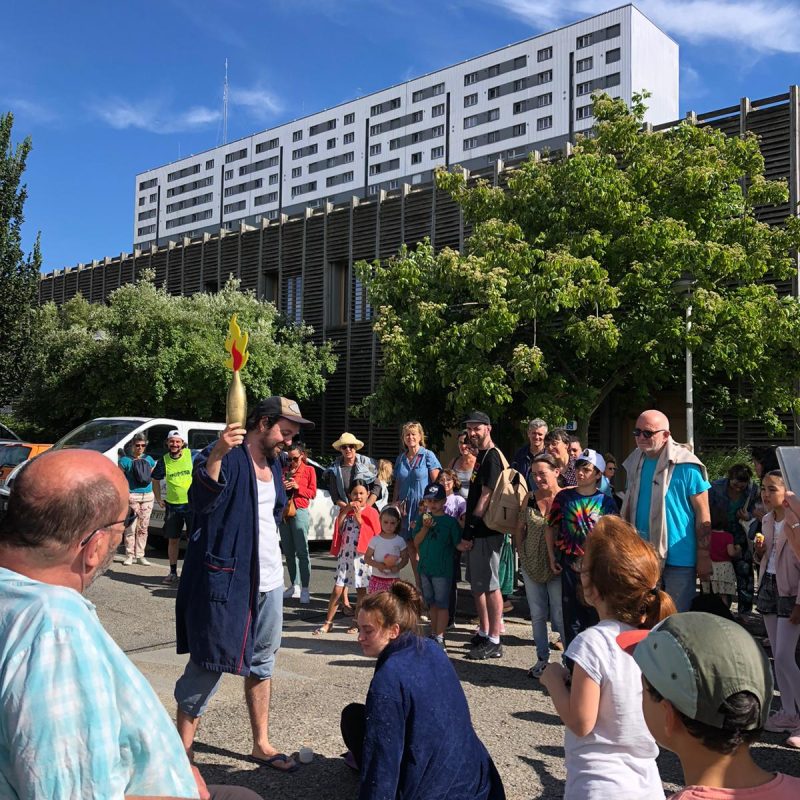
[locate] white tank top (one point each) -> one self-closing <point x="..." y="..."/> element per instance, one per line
<point x="269" y="551"/>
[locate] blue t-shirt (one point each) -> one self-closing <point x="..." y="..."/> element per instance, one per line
<point x="125" y="465"/>
<point x="687" y="481"/>
<point x="411" y="478"/>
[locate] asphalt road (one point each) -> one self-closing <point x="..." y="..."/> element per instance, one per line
<point x="317" y="676"/>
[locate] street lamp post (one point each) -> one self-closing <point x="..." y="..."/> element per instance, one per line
<point x="683" y="286"/>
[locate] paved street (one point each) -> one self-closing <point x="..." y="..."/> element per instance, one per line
<point x="317" y="676"/>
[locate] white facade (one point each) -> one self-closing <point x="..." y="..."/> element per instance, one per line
<point x="535" y="94"/>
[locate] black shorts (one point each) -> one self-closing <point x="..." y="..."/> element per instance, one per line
<point x="770" y="602"/>
<point x="175" y="518"/>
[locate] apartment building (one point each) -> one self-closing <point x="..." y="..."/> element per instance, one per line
<point x="499" y="106"/>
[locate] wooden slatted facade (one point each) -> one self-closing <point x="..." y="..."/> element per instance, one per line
<point x="319" y="247"/>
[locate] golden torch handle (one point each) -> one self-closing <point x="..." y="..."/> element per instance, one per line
<point x="236" y="400"/>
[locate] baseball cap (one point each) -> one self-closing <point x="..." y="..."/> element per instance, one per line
<point x="477" y="418"/>
<point x="175" y="434"/>
<point x="282" y="407"/>
<point x="698" y="660"/>
<point x="434" y="491"/>
<point x="591" y="457"/>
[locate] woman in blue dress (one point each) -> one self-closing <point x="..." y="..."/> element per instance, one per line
<point x="414" y="469"/>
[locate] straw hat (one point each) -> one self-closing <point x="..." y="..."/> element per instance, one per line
<point x="347" y="438"/>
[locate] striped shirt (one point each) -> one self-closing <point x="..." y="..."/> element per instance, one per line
<point x="77" y="719"/>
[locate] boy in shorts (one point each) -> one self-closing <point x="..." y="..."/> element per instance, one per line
<point x="707" y="693"/>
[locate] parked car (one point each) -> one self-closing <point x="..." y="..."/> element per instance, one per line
<point x="322" y="511"/>
<point x="13" y="453"/>
<point x="7" y="435"/>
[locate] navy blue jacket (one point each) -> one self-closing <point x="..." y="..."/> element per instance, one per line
<point x="522" y="461"/>
<point x="216" y="608"/>
<point x="419" y="742"/>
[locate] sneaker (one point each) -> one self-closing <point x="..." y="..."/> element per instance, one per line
<point x="305" y="598"/>
<point x="143" y="561"/>
<point x="128" y="561"/>
<point x="171" y="578"/>
<point x="794" y="740"/>
<point x="477" y="640"/>
<point x="781" y="722"/>
<point x="292" y="593"/>
<point x="538" y="668"/>
<point x="486" y="650"/>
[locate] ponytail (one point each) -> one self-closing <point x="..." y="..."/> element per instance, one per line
<point x="657" y="605"/>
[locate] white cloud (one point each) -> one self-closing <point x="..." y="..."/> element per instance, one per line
<point x="30" y="110"/>
<point x="764" y="26"/>
<point x="258" y="103"/>
<point x="151" y="115"/>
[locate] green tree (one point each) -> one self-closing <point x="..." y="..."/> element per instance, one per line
<point x="565" y="292"/>
<point x="18" y="273"/>
<point x="152" y="354"/>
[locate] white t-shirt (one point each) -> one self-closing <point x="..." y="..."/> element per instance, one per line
<point x="618" y="758"/>
<point x="773" y="554"/>
<point x="269" y="549"/>
<point x="386" y="547"/>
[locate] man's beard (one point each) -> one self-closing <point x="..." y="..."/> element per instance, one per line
<point x="102" y="568"/>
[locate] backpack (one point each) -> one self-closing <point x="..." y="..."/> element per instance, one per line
<point x="140" y="472"/>
<point x="507" y="503"/>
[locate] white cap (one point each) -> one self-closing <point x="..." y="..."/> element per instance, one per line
<point x="175" y="434"/>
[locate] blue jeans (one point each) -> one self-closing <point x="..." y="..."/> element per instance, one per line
<point x="577" y="615"/>
<point x="681" y="584"/>
<point x="294" y="543"/>
<point x="436" y="591"/>
<point x="198" y="685"/>
<point x="544" y="601"/>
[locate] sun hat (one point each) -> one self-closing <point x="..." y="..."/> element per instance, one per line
<point x="347" y="438"/>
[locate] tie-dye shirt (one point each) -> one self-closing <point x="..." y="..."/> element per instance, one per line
<point x="573" y="515"/>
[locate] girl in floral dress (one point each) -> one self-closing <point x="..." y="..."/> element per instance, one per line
<point x="355" y="526"/>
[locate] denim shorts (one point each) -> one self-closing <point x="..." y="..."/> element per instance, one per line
<point x="436" y="591"/>
<point x="197" y="685"/>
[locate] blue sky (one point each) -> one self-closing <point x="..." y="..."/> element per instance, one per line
<point x="107" y="90"/>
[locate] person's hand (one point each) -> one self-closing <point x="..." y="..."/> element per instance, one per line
<point x="759" y="545"/>
<point x="794" y="617"/>
<point x="743" y="515"/>
<point x="427" y="520"/>
<point x="290" y="484"/>
<point x="232" y="436"/>
<point x="162" y="504"/>
<point x="201" y="784"/>
<point x="554" y="674"/>
<point x="555" y="567"/>
<point x="464" y="545"/>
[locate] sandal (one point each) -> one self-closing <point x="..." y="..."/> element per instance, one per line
<point x="323" y="629"/>
<point x="353" y="629"/>
<point x="348" y="611"/>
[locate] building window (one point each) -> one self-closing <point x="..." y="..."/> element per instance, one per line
<point x="470" y="100"/>
<point x="493" y="115"/>
<point x="210" y="164"/>
<point x="182" y="173"/>
<point x="494" y="92"/>
<point x="153" y="198"/>
<point x="416" y="117"/>
<point x="416" y="158"/>
<point x="145" y="230"/>
<point x="437" y="152"/>
<point x="236" y="155"/>
<point x="543" y="77"/>
<point x="491" y="137"/>
<point x="294" y="299"/>
<point x="232" y="207"/>
<point x="583" y="41"/>
<point x="349" y="119"/>
<point x="243" y="187"/>
<point x="394" y="103"/>
<point x="471" y="122"/>
<point x="437" y="90"/>
<point x="545" y="54"/>
<point x="297" y="172"/>
<point x="437" y="131"/>
<point x="519" y="130"/>
<point x="143" y="215"/>
<point x="543" y="123"/>
<point x="584" y="64"/>
<point x="148" y="184"/>
<point x="493" y="71"/>
<point x="335" y="308"/>
<point x="583" y="112"/>
<point x="297" y="136"/>
<point x="471" y="78"/>
<point x="264" y="199"/>
<point x="335" y="180"/>
<point x="612" y="80"/>
<point x="362" y="310"/>
<point x="304" y="188"/>
<point x="348" y="138"/>
<point x="418" y="95"/>
<point x="583" y="88"/>
<point x="270" y="145"/>
<point x="141" y="201"/>
<point x="471" y="143"/>
<point x="520" y="62"/>
<point x="374" y="149"/>
<point x="612" y="55"/>
<point x="274" y="178"/>
<point x="228" y="174"/>
<point x="437" y="111"/>
<point x="612" y="31"/>
<point x="543" y="100"/>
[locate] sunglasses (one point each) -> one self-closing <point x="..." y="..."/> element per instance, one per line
<point x="637" y="432"/>
<point x="348" y="447"/>
<point x="295" y="460"/>
<point x="130" y="518"/>
<point x="140" y="444"/>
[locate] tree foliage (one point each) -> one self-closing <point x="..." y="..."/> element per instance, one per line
<point x="18" y="273"/>
<point x="149" y="353"/>
<point x="565" y="292"/>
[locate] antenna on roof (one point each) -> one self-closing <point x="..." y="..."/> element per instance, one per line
<point x="225" y="106"/>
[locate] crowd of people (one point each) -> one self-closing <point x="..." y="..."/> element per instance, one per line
<point x="615" y="575"/>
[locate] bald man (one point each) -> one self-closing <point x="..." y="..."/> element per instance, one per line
<point x="77" y="719"/>
<point x="667" y="501"/>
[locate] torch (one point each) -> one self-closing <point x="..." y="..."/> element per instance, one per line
<point x="236" y="401"/>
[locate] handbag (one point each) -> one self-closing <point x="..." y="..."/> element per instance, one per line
<point x="290" y="509"/>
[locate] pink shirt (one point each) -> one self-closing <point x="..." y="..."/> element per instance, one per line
<point x="719" y="545"/>
<point x="781" y="787"/>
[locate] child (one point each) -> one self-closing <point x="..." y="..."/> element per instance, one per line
<point x="386" y="553"/>
<point x="455" y="506"/>
<point x="385" y="469"/>
<point x="355" y="526"/>
<point x="609" y="753"/>
<point x="707" y="690"/>
<point x="778" y="586"/>
<point x="436" y="537"/>
<point x="573" y="514"/>
<point x="723" y="576"/>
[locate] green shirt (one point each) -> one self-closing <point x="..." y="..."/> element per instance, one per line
<point x="438" y="547"/>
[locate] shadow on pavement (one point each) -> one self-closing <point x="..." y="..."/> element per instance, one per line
<point x="551" y="785"/>
<point x="538" y="716"/>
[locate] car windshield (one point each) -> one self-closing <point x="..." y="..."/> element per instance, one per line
<point x="99" y="434"/>
<point x="12" y="455"/>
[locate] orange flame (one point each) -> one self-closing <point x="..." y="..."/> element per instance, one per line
<point x="236" y="345"/>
